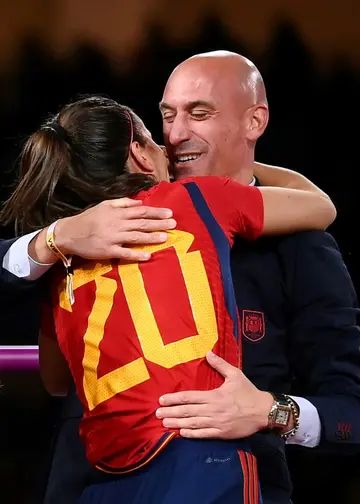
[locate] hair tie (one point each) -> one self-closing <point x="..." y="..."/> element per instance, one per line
<point x="58" y="129"/>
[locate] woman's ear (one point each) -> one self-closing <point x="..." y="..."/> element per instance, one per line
<point x="139" y="159"/>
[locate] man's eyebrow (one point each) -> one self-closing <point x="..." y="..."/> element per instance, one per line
<point x="165" y="106"/>
<point x="200" y="103"/>
<point x="189" y="106"/>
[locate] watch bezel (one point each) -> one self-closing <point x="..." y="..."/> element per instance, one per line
<point x="279" y="410"/>
<point x="281" y="404"/>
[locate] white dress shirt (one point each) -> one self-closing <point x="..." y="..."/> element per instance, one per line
<point x="18" y="262"/>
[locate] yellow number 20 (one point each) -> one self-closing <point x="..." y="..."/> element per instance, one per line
<point x="154" y="350"/>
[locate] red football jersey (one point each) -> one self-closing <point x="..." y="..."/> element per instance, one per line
<point x="139" y="330"/>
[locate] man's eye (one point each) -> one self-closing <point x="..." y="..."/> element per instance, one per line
<point x="168" y="117"/>
<point x="199" y="114"/>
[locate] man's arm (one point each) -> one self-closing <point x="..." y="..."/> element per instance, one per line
<point x="11" y="270"/>
<point x="18" y="262"/>
<point x="324" y="349"/>
<point x="323" y="353"/>
<point x="235" y="410"/>
<point x="98" y="233"/>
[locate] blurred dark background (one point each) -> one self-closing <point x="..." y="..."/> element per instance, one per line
<point x="309" y="55"/>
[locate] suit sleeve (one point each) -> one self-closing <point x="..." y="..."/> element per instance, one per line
<point x="11" y="285"/>
<point x="324" y="338"/>
<point x="238" y="208"/>
<point x="20" y="305"/>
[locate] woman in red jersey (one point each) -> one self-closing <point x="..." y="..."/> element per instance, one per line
<point x="130" y="332"/>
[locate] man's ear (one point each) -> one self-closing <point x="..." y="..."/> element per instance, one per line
<point x="257" y="122"/>
<point x="139" y="160"/>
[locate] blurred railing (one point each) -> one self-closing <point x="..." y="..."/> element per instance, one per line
<point x="19" y="358"/>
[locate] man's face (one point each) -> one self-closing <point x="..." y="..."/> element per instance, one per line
<point x="203" y="122"/>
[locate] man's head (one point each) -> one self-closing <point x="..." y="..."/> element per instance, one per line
<point x="214" y="109"/>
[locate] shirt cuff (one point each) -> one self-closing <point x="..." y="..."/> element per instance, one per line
<point x="18" y="262"/>
<point x="309" y="431"/>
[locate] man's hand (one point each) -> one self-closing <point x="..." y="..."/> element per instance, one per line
<point x="102" y="231"/>
<point x="235" y="410"/>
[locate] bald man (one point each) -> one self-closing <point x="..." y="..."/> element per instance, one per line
<point x="295" y="297"/>
<point x="214" y="108"/>
<point x="298" y="305"/>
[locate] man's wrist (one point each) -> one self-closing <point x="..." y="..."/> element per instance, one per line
<point x="38" y="249"/>
<point x="39" y="252"/>
<point x="63" y="235"/>
<point x="284" y="416"/>
<point x="266" y="403"/>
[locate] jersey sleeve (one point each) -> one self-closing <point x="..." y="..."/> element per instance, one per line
<point x="239" y="209"/>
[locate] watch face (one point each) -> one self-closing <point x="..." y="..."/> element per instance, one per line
<point x="282" y="417"/>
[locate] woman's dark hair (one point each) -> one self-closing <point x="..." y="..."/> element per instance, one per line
<point x="75" y="160"/>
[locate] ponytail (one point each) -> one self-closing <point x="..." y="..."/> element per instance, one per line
<point x="66" y="168"/>
<point x="45" y="158"/>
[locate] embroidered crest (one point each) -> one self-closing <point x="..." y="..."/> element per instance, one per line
<point x="253" y="325"/>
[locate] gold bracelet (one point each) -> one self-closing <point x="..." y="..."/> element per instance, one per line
<point x="50" y="242"/>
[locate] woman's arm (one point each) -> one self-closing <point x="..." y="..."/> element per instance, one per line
<point x="54" y="370"/>
<point x="292" y="202"/>
<point x="292" y="210"/>
<point x="282" y="177"/>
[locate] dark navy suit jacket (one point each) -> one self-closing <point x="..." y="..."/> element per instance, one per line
<point x="298" y="313"/>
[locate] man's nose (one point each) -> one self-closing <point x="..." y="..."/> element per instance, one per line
<point x="178" y="131"/>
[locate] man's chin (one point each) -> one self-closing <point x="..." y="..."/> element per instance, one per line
<point x="192" y="169"/>
<point x="181" y="175"/>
